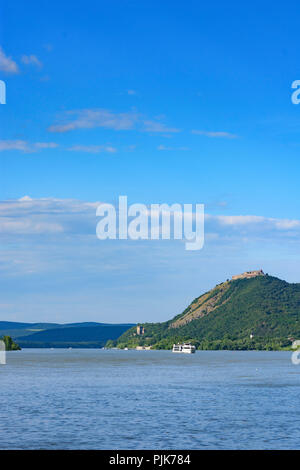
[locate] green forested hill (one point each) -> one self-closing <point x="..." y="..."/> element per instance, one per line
<point x="262" y="312"/>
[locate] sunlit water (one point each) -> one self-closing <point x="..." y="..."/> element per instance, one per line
<point x="96" y="399"/>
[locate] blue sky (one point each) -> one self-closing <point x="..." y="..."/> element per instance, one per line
<point x="186" y="102"/>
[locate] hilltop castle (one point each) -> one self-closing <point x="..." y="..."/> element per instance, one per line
<point x="140" y="330"/>
<point x="248" y="274"/>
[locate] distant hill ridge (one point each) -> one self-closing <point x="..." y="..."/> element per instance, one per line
<point x="86" y="334"/>
<point x="251" y="311"/>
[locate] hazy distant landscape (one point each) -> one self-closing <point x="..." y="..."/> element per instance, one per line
<point x="54" y="335"/>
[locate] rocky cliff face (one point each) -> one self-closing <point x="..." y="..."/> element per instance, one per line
<point x="213" y="299"/>
<point x="203" y="305"/>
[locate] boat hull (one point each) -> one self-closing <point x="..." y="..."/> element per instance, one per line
<point x="185" y="348"/>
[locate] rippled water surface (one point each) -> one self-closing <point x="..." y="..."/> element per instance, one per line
<point x="97" y="399"/>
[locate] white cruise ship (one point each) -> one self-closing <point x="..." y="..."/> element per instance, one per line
<point x="186" y="348"/>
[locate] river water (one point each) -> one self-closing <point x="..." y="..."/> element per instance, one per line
<point x="110" y="399"/>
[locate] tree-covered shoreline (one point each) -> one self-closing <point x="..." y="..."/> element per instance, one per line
<point x="10" y="344"/>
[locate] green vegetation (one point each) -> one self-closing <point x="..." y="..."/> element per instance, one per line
<point x="258" y="313"/>
<point x="10" y="345"/>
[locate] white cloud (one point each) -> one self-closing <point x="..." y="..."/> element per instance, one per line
<point x="164" y="147"/>
<point x="285" y="224"/>
<point x="92" y="148"/>
<point x="50" y="215"/>
<point x="24" y="146"/>
<point x="254" y="221"/>
<point x="13" y="145"/>
<point x="7" y="64"/>
<point x="221" y="134"/>
<point x="94" y="118"/>
<point x="27" y="147"/>
<point x="45" y="145"/>
<point x="153" y="126"/>
<point x="28" y="227"/>
<point x="47" y="216"/>
<point x="237" y="220"/>
<point x="252" y="227"/>
<point x="31" y="60"/>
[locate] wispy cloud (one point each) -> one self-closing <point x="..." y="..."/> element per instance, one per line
<point x="48" y="47"/>
<point x="27" y="216"/>
<point x="31" y="60"/>
<point x="29" y="227"/>
<point x="221" y="134"/>
<point x="165" y="148"/>
<point x="79" y="217"/>
<point x="46" y="215"/>
<point x="7" y="64"/>
<point x="253" y="226"/>
<point x="93" y="118"/>
<point x="154" y="126"/>
<point x="92" y="148"/>
<point x="28" y="147"/>
<point x="24" y="146"/>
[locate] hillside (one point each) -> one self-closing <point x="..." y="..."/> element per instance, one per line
<point x="45" y="335"/>
<point x="251" y="311"/>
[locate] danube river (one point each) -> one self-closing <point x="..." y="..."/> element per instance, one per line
<point x="110" y="399"/>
